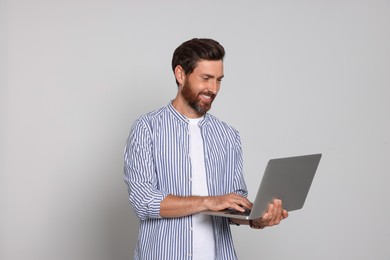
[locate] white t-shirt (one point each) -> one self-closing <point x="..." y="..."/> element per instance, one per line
<point x="202" y="225"/>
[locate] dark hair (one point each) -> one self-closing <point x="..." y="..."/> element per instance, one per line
<point x="190" y="52"/>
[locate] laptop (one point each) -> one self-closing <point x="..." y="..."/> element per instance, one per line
<point x="288" y="179"/>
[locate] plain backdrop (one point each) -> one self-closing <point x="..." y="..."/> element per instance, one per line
<point x="300" y="77"/>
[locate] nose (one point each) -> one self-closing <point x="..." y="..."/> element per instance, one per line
<point x="214" y="86"/>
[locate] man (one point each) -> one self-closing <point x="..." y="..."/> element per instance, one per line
<point x="181" y="160"/>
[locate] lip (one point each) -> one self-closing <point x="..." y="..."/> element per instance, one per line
<point x="206" y="98"/>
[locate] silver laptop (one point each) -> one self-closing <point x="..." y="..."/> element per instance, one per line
<point x="288" y="179"/>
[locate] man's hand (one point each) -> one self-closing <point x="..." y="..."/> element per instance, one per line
<point x="274" y="215"/>
<point x="232" y="200"/>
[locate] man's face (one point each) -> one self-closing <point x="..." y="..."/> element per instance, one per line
<point x="202" y="85"/>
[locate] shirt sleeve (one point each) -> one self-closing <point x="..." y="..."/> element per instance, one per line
<point x="239" y="181"/>
<point x="139" y="173"/>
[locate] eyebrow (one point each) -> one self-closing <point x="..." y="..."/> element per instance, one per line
<point x="211" y="76"/>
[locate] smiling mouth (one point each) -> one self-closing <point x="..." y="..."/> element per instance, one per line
<point x="208" y="95"/>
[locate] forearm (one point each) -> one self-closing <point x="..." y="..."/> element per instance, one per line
<point x="177" y="206"/>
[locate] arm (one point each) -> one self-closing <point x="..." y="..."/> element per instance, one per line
<point x="139" y="173"/>
<point x="176" y="206"/>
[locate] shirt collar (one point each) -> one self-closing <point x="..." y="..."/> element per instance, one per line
<point x="185" y="119"/>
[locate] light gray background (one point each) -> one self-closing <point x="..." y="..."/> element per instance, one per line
<point x="301" y="77"/>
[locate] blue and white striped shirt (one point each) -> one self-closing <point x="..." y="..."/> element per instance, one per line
<point x="158" y="163"/>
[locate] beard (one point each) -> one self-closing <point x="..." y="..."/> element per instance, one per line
<point x="194" y="100"/>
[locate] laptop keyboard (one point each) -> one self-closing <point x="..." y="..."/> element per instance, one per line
<point x="247" y="212"/>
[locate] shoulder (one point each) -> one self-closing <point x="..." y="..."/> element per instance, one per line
<point x="150" y="117"/>
<point x="216" y="122"/>
<point x="144" y="123"/>
<point x="223" y="128"/>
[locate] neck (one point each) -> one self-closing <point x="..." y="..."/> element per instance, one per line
<point x="184" y="108"/>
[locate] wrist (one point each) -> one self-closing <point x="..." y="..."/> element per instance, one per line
<point x="255" y="226"/>
<point x="206" y="202"/>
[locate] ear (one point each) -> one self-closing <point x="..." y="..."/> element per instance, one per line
<point x="180" y="75"/>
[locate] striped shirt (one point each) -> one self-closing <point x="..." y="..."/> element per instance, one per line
<point x="158" y="163"/>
